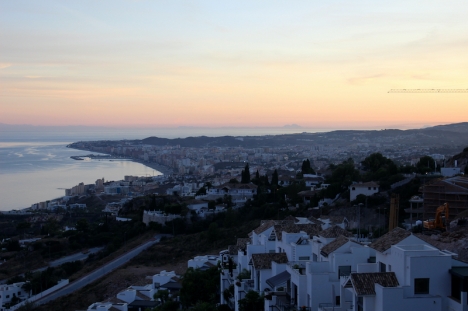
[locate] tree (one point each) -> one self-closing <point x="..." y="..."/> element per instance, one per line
<point x="213" y="232"/>
<point x="466" y="169"/>
<point x="13" y="245"/>
<point x="204" y="306"/>
<point x="82" y="225"/>
<point x="381" y="169"/>
<point x="23" y="225"/>
<point x="251" y="302"/>
<point x="162" y="295"/>
<point x="199" y="286"/>
<point x="201" y="191"/>
<point x="426" y="164"/>
<point x="274" y="178"/>
<point x="306" y="168"/>
<point x="245" y="176"/>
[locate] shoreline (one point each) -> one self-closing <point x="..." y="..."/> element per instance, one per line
<point x="164" y="170"/>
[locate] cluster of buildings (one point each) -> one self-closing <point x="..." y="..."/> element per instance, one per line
<point x="141" y="296"/>
<point x="303" y="264"/>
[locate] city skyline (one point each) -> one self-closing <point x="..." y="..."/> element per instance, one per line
<point x="242" y="64"/>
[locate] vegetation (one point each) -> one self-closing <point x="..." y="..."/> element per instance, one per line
<point x="306" y="168"/>
<point x="200" y="287"/>
<point x="245" y="175"/>
<point x="252" y="301"/>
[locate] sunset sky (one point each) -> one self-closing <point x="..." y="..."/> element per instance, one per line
<point x="232" y="63"/>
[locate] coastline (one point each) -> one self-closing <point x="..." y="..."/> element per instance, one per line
<point x="153" y="165"/>
<point x="156" y="166"/>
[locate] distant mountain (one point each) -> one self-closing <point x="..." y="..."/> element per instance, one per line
<point x="454" y="127"/>
<point x="292" y="126"/>
<point x="453" y="136"/>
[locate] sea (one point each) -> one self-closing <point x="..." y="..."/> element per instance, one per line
<point x="35" y="163"/>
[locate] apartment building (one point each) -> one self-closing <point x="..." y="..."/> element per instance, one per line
<point x="303" y="267"/>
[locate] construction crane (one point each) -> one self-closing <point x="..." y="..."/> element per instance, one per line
<point x="438" y="222"/>
<point x="428" y="91"/>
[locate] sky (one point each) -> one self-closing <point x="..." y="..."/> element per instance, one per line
<point x="322" y="64"/>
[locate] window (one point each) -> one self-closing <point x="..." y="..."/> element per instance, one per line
<point x="354" y="188"/>
<point x="304" y="257"/>
<point x="456" y="288"/>
<point x="337" y="300"/>
<point x="360" y="303"/>
<point x="314" y="257"/>
<point x="369" y="188"/>
<point x="344" y="271"/>
<point x="421" y="286"/>
<point x="383" y="267"/>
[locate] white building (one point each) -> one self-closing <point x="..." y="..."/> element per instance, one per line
<point x="367" y="189"/>
<point x="203" y="262"/>
<point x="11" y="293"/>
<point x="450" y="171"/>
<point x="328" y="270"/>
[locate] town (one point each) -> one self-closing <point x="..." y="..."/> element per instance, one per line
<point x="311" y="227"/>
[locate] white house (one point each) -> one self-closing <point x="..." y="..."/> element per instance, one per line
<point x="408" y="274"/>
<point x="367" y="189"/>
<point x="108" y="306"/>
<point x="203" y="262"/>
<point x="450" y="171"/>
<point x="233" y="189"/>
<point x="12" y="292"/>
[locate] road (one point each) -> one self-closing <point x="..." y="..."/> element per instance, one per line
<point x="75" y="257"/>
<point x="96" y="274"/>
<point x="58" y="262"/>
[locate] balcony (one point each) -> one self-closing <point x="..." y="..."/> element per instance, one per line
<point x="297" y="267"/>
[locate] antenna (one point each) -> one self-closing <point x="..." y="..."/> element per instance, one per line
<point x="428" y="91"/>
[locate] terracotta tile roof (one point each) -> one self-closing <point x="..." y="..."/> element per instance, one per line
<point x="310" y="229"/>
<point x="242" y="243"/>
<point x="291" y="217"/>
<point x="263" y="261"/>
<point x="233" y="249"/>
<point x="140" y="296"/>
<point x="390" y="238"/>
<point x="335" y="219"/>
<point x="365" y="184"/>
<point x="265" y="224"/>
<point x="364" y="283"/>
<point x="334" y="232"/>
<point x="315" y="220"/>
<point x="337" y="243"/>
<point x="240" y="246"/>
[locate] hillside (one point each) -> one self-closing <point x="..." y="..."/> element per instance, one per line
<point x="448" y="136"/>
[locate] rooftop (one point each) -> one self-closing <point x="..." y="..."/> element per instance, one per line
<point x="337" y="243"/>
<point x="334" y="232"/>
<point x="390" y="238"/>
<point x="364" y="283"/>
<point x="263" y="261"/>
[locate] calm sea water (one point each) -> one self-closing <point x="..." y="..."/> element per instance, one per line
<point x="35" y="165"/>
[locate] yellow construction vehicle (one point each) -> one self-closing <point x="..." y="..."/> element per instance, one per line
<point x="438" y="222"/>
